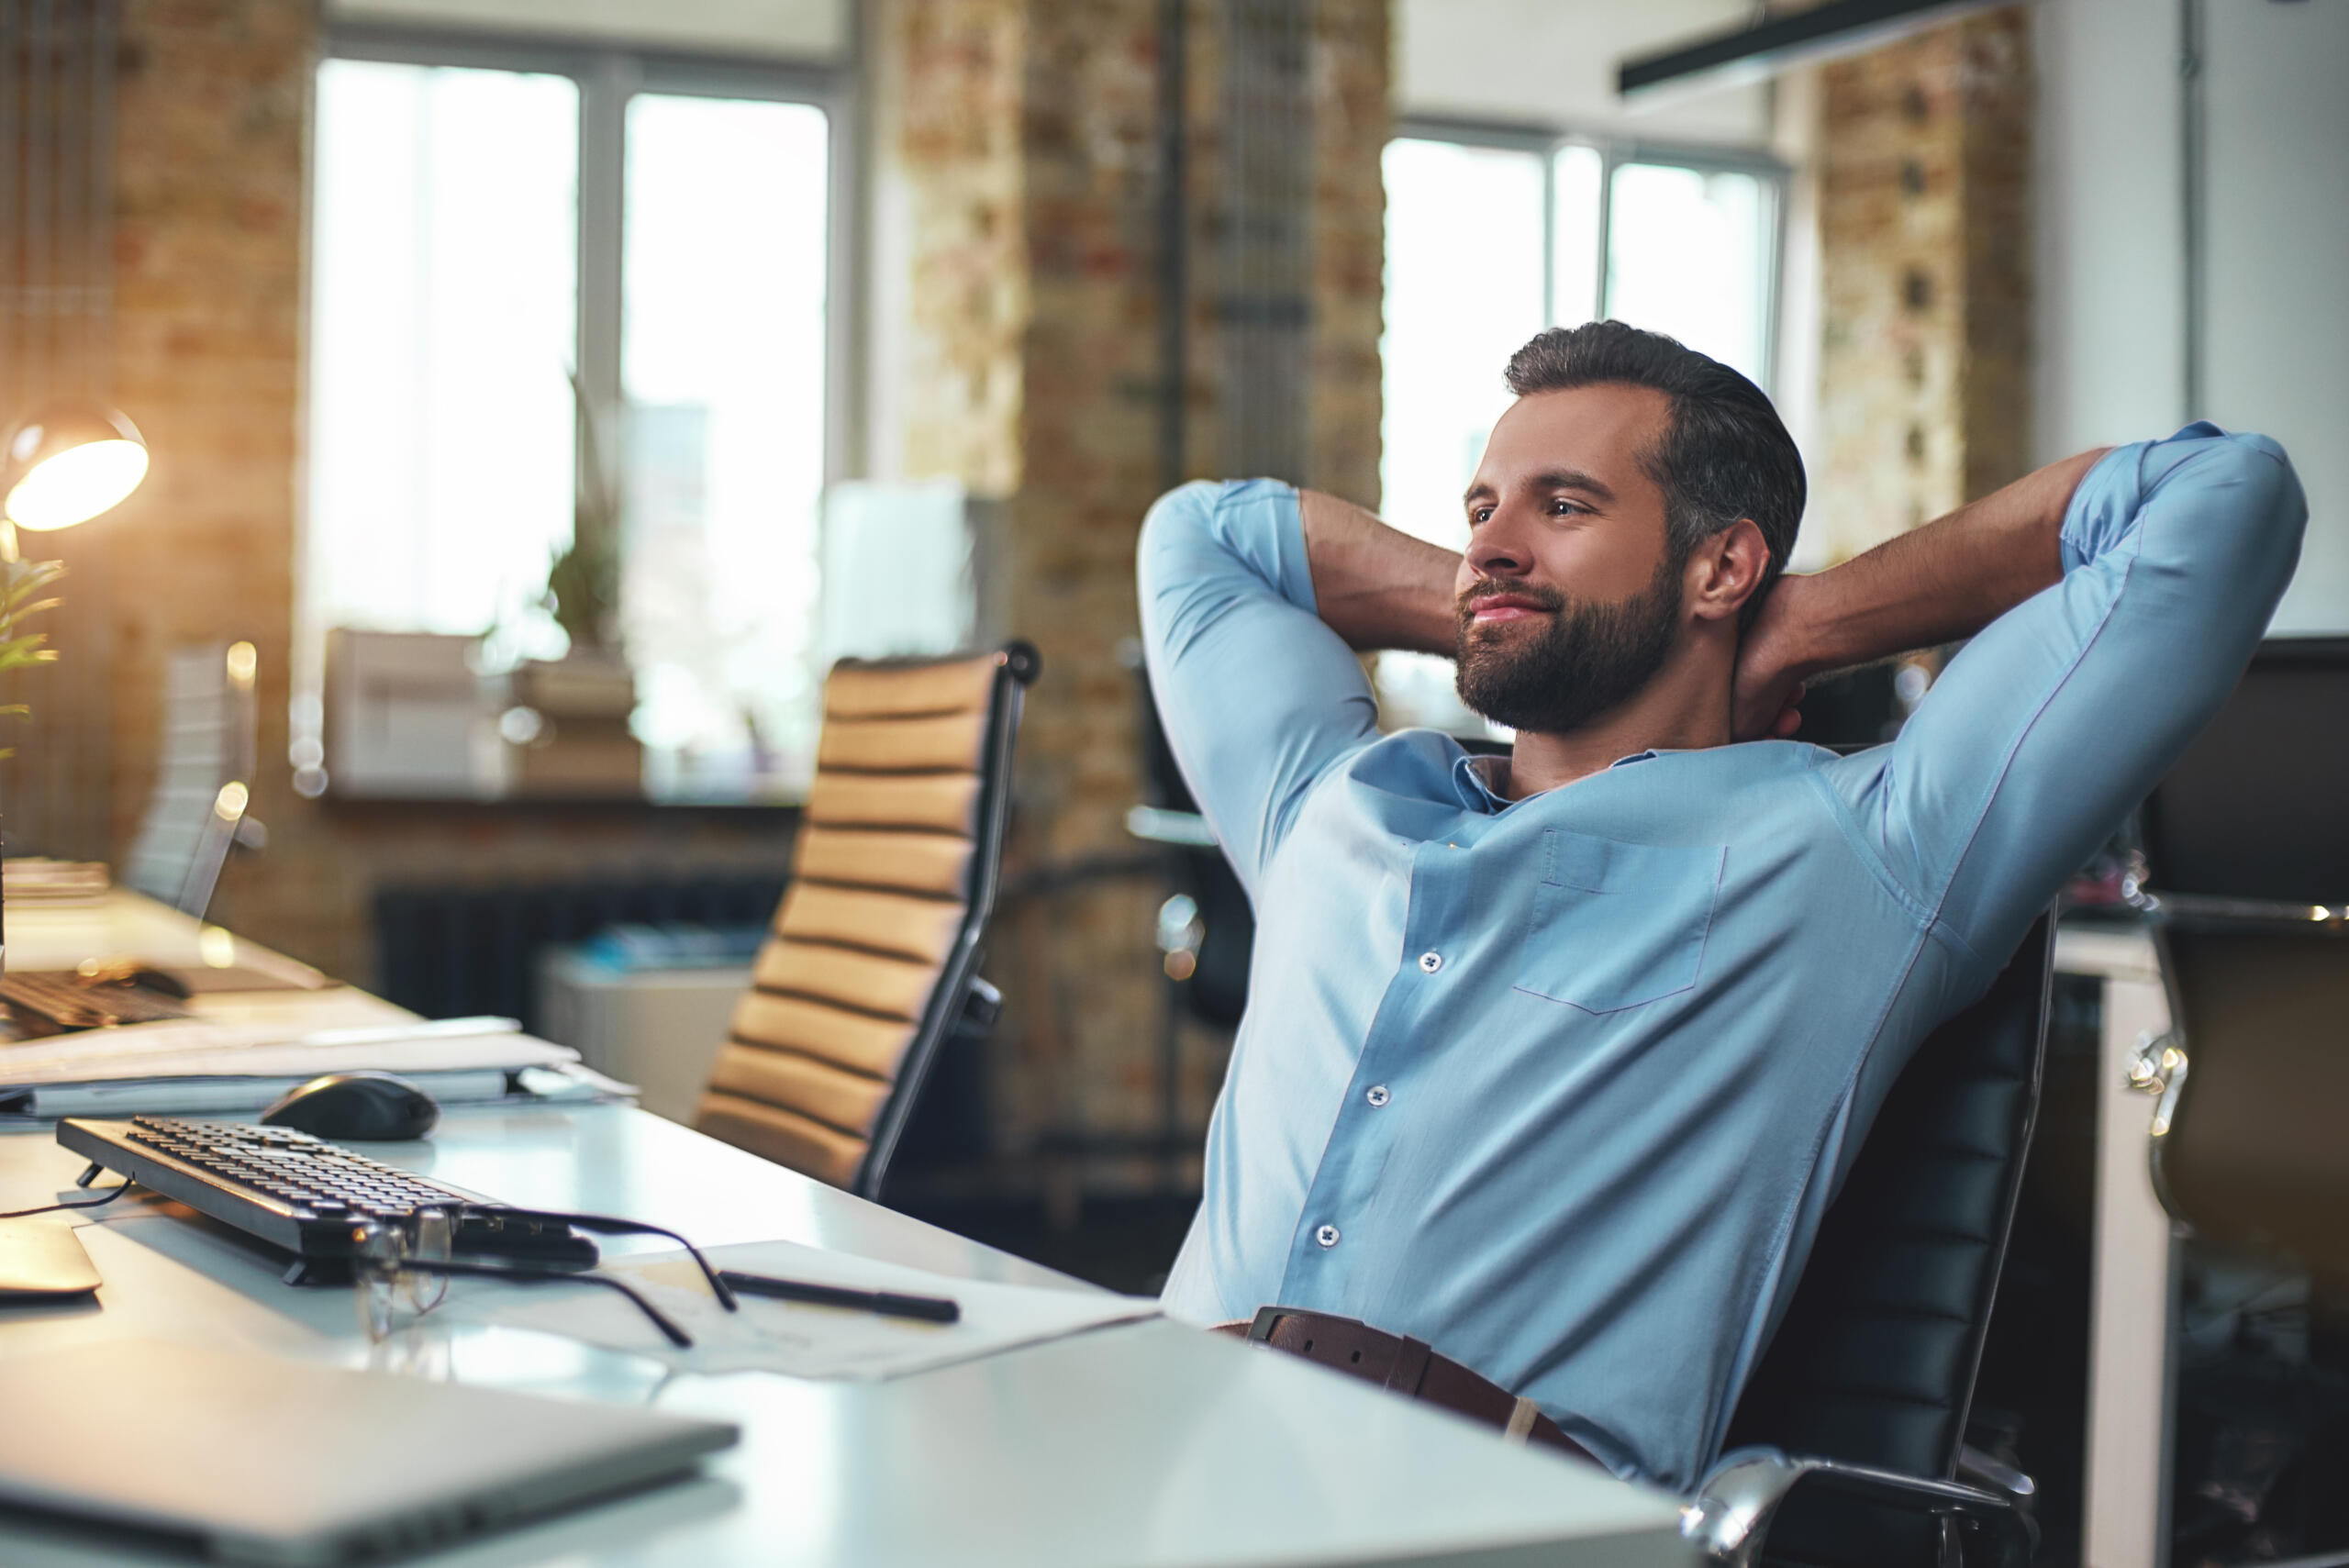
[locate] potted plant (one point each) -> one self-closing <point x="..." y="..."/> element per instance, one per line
<point x="22" y="584"/>
<point x="568" y="733"/>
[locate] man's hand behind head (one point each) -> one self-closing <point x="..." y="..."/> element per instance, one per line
<point x="1768" y="691"/>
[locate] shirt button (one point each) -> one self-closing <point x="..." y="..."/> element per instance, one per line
<point x="1327" y="1236"/>
<point x="1430" y="961"/>
<point x="1377" y="1096"/>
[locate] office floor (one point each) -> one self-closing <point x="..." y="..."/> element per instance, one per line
<point x="2263" y="1415"/>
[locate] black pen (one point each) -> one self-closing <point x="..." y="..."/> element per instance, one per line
<point x="929" y="1309"/>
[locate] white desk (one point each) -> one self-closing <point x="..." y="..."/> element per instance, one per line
<point x="2125" y="1522"/>
<point x="1144" y="1443"/>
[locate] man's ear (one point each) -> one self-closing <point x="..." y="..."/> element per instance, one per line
<point x="1727" y="569"/>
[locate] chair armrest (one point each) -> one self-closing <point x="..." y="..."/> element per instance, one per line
<point x="1729" y="1521"/>
<point x="1978" y="1469"/>
<point x="982" y="1006"/>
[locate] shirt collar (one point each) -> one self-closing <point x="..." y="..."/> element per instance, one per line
<point x="1478" y="777"/>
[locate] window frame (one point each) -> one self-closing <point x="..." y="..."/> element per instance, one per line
<point x="607" y="76"/>
<point x="1546" y="141"/>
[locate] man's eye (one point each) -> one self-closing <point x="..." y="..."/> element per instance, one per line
<point x="1479" y="515"/>
<point x="1563" y="507"/>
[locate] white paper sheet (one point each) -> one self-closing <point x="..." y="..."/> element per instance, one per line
<point x="790" y="1338"/>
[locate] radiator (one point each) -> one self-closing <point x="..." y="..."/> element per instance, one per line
<point x="460" y="951"/>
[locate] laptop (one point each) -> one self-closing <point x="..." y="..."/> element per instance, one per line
<point x="257" y="1460"/>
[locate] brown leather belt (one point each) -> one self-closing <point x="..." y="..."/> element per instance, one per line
<point x="1406" y="1366"/>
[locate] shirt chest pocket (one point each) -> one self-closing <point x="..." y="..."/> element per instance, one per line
<point x="1617" y="924"/>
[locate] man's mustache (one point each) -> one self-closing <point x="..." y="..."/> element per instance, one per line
<point x="1518" y="587"/>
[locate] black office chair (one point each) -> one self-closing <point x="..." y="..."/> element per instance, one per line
<point x="1207" y="929"/>
<point x="2247" y="874"/>
<point x="1847" y="1449"/>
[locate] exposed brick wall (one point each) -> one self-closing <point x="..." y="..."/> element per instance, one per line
<point x="1996" y="100"/>
<point x="210" y="147"/>
<point x="1351" y="69"/>
<point x="1924" y="246"/>
<point x="1080" y="212"/>
<point x="947" y="90"/>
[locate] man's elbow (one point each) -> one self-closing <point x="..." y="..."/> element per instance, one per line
<point x="1176" y="524"/>
<point x="2250" y="476"/>
<point x="2270" y="485"/>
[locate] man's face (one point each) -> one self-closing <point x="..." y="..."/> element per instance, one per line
<point x="1569" y="600"/>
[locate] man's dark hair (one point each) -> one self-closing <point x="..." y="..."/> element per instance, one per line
<point x="1726" y="455"/>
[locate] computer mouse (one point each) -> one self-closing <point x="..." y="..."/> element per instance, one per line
<point x="366" y="1105"/>
<point x="160" y="981"/>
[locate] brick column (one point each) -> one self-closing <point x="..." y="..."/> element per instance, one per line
<point x="1924" y="256"/>
<point x="1018" y="217"/>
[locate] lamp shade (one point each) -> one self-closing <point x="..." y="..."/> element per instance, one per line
<point x="67" y="464"/>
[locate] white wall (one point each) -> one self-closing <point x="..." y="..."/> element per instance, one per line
<point x="2110" y="269"/>
<point x="1552" y="63"/>
<point x="2275" y="342"/>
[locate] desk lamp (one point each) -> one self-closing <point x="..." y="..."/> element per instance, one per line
<point x="65" y="465"/>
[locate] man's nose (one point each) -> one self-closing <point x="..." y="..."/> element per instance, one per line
<point x="1498" y="550"/>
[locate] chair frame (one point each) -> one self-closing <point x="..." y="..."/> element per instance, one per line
<point x="2162" y="1062"/>
<point x="1730" y="1515"/>
<point x="961" y="1001"/>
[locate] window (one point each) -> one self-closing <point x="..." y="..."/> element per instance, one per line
<point x="443" y="317"/>
<point x="502" y="240"/>
<point x="1490" y="237"/>
<point x="722" y="367"/>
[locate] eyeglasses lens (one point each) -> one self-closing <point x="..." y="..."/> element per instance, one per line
<point x="393" y="1291"/>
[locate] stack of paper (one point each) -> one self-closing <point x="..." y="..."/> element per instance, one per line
<point x="193" y="1066"/>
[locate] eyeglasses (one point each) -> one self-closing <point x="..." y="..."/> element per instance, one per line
<point x="401" y="1269"/>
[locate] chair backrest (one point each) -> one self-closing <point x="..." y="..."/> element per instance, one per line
<point x="1875" y="1359"/>
<point x="2247" y="850"/>
<point x="875" y="945"/>
<point x="2252" y="808"/>
<point x="203" y="783"/>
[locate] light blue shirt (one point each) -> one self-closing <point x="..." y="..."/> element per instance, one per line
<point x="1562" y="1085"/>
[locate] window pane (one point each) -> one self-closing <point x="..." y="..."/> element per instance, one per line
<point x="1575" y="175"/>
<point x="1464" y="291"/>
<point x="1688" y="252"/>
<point x="722" y="356"/>
<point x="442" y="322"/>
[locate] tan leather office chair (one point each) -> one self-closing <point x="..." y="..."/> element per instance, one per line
<point x="872" y="959"/>
<point x="2248" y="853"/>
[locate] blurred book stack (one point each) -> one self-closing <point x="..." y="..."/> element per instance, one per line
<point x="581" y="744"/>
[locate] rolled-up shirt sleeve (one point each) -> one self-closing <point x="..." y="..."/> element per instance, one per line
<point x="1259" y="698"/>
<point x="2053" y="723"/>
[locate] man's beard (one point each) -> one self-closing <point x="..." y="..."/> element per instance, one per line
<point x="1591" y="657"/>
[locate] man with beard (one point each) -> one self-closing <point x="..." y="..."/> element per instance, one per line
<point x="1551" y="1063"/>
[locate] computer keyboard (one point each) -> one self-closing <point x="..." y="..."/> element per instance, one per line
<point x="302" y="1194"/>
